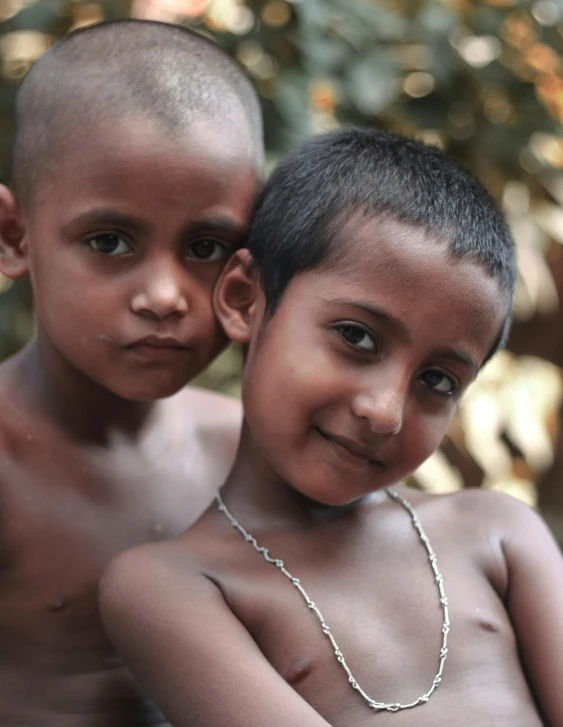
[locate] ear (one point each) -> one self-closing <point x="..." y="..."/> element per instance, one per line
<point x="13" y="242"/>
<point x="237" y="296"/>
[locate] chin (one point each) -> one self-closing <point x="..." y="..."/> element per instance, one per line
<point x="346" y="491"/>
<point x="150" y="392"/>
<point x="333" y="498"/>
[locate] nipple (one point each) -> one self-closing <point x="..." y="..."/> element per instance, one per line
<point x="59" y="605"/>
<point x="298" y="669"/>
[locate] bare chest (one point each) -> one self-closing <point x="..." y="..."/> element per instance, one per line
<point x="63" y="516"/>
<point x="382" y="607"/>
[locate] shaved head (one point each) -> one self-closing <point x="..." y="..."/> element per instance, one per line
<point x="125" y="69"/>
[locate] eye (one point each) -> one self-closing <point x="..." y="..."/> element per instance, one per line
<point x="439" y="382"/>
<point x="208" y="250"/>
<point x="357" y="337"/>
<point x="108" y="243"/>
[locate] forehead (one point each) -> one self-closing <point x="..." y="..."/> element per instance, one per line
<point x="123" y="157"/>
<point x="413" y="276"/>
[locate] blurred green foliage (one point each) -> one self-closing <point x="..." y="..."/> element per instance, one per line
<point x="482" y="79"/>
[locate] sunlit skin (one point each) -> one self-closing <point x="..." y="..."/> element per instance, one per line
<point x="101" y="447"/>
<point x="347" y="388"/>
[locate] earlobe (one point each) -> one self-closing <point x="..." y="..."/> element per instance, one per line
<point x="13" y="243"/>
<point x="236" y="296"/>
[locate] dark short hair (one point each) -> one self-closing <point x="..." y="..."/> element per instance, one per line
<point x="166" y="73"/>
<point x="335" y="175"/>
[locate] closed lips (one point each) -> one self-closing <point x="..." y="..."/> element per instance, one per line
<point x="351" y="446"/>
<point x="157" y="342"/>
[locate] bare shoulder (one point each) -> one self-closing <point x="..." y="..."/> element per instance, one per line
<point x="156" y="575"/>
<point x="12" y="416"/>
<point x="474" y="504"/>
<point x="212" y="416"/>
<point x="8" y="447"/>
<point x="173" y="627"/>
<point x="136" y="569"/>
<point x="212" y="408"/>
<point x="151" y="598"/>
<point x="504" y="514"/>
<point x="15" y="439"/>
<point x="143" y="581"/>
<point x="491" y="528"/>
<point x="507" y="527"/>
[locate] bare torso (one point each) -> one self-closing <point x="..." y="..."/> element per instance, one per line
<point x="370" y="576"/>
<point x="66" y="509"/>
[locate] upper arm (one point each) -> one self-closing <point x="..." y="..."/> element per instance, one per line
<point x="534" y="601"/>
<point x="192" y="654"/>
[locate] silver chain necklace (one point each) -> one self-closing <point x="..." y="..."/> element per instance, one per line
<point x="373" y="703"/>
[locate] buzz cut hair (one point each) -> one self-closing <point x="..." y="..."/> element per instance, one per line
<point x="125" y="68"/>
<point x="352" y="170"/>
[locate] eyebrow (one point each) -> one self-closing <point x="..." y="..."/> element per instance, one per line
<point x="221" y="224"/>
<point x="393" y="323"/>
<point x="105" y="218"/>
<point x="401" y="331"/>
<point x="460" y="356"/>
<point x="111" y="218"/>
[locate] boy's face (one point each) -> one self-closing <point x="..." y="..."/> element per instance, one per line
<point x="126" y="241"/>
<point x="352" y="382"/>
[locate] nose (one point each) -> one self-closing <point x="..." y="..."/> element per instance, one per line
<point x="382" y="409"/>
<point x="161" y="295"/>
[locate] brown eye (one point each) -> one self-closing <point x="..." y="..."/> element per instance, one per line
<point x="357" y="337"/>
<point x="208" y="250"/>
<point x="439" y="382"/>
<point x="108" y="243"/>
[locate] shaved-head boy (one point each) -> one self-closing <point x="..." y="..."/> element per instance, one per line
<point x="137" y="160"/>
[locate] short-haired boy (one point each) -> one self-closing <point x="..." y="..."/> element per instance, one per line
<point x="378" y="282"/>
<point x="137" y="161"/>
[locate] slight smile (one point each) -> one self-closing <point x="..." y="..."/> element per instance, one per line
<point x="349" y="447"/>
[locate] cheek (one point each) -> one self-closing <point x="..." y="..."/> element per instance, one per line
<point x="202" y="277"/>
<point x="423" y="435"/>
<point x="266" y="397"/>
<point x="74" y="306"/>
<point x="60" y="274"/>
<point x="287" y="378"/>
<point x="270" y="403"/>
<point x="198" y="291"/>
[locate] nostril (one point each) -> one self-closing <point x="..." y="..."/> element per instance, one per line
<point x="148" y="314"/>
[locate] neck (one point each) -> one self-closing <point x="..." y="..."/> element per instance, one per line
<point x="74" y="402"/>
<point x="255" y="492"/>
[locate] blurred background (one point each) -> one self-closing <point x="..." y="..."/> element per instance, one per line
<point x="482" y="79"/>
